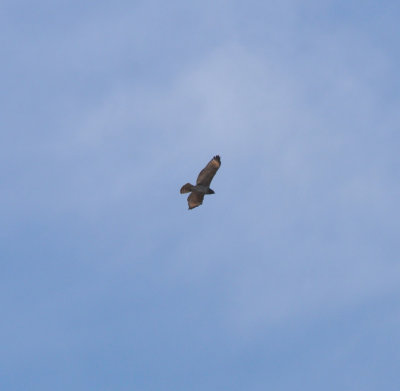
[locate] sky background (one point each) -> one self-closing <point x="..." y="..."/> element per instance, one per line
<point x="288" y="278"/>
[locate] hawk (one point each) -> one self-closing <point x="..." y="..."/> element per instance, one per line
<point x="202" y="184"/>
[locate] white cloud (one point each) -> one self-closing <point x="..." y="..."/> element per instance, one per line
<point x="291" y="134"/>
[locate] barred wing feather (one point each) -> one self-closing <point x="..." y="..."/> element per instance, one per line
<point x="207" y="173"/>
<point x="195" y="199"/>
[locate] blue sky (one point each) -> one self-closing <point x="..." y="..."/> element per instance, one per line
<point x="286" y="279"/>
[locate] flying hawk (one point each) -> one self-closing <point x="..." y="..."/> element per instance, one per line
<point x="203" y="183"/>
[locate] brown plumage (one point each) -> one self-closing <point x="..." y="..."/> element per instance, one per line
<point x="203" y="182"/>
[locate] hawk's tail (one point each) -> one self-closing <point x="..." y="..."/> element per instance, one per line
<point x="186" y="188"/>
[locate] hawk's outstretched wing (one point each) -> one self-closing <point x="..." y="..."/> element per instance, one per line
<point x="207" y="173"/>
<point x="195" y="199"/>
